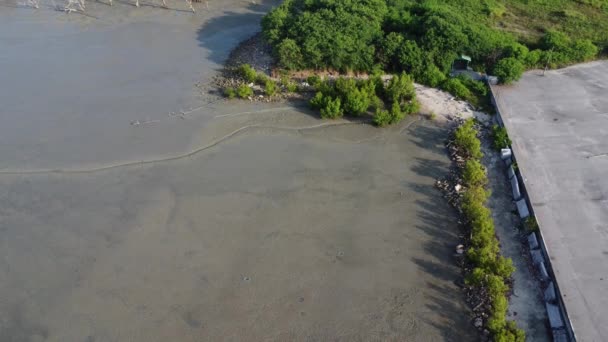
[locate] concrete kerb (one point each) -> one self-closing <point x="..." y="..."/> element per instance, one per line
<point x="566" y="331"/>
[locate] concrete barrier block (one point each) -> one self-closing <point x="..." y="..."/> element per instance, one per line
<point x="560" y="335"/>
<point x="515" y="188"/>
<point x="544" y="275"/>
<point x="522" y="209"/>
<point x="537" y="256"/>
<point x="511" y="171"/>
<point x="550" y="295"/>
<point x="555" y="316"/>
<point x="505" y="153"/>
<point x="508" y="161"/>
<point x="532" y="241"/>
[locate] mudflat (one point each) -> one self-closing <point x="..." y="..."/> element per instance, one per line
<point x="233" y="222"/>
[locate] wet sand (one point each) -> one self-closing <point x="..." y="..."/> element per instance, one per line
<point x="247" y="223"/>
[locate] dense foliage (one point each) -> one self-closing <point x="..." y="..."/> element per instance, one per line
<point x="424" y="37"/>
<point x="491" y="271"/>
<point x="356" y="97"/>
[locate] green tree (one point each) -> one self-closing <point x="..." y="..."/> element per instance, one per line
<point x="382" y="117"/>
<point x="400" y="89"/>
<point x="508" y="70"/>
<point x="289" y="54"/>
<point x="331" y="109"/>
<point x="431" y="75"/>
<point x="356" y="102"/>
<point x="457" y="88"/>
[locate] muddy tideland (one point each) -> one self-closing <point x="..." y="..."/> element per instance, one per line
<point x="136" y="207"/>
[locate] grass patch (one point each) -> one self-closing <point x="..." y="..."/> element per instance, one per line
<point x="500" y="138"/>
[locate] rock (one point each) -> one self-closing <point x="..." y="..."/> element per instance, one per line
<point x="457" y="187"/>
<point x="478" y="323"/>
<point x="550" y="295"/>
<point x="532" y="241"/>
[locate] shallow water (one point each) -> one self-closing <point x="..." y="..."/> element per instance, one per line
<point x="279" y="226"/>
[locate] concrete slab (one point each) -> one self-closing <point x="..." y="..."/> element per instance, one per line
<point x="510" y="171"/>
<point x="515" y="189"/>
<point x="555" y="318"/>
<point x="537" y="256"/>
<point x="522" y="209"/>
<point x="532" y="241"/>
<point x="550" y="295"/>
<point x="559" y="127"/>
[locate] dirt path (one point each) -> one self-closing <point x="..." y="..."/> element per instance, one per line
<point x="526" y="306"/>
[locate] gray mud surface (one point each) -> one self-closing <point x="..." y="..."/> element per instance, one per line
<point x="247" y="222"/>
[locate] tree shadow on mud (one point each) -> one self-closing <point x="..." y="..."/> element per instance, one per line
<point x="439" y="221"/>
<point x="221" y="34"/>
<point x="426" y="137"/>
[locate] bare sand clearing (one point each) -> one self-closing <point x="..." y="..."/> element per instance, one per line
<point x="250" y="222"/>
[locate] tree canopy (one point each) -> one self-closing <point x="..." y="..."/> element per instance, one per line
<point x="423" y="38"/>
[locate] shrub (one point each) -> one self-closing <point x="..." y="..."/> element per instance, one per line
<point x="530" y="224"/>
<point x="400" y="89"/>
<point x="474" y="174"/>
<point x="382" y="117"/>
<point x="230" y="92"/>
<point x="466" y="139"/>
<point x="503" y="267"/>
<point x="517" y="51"/>
<point x="344" y="85"/>
<point x="477" y="87"/>
<point x="500" y="138"/>
<point x="289" y="55"/>
<point x="331" y="108"/>
<point x="326" y="88"/>
<point x="244" y="91"/>
<point x="431" y="76"/>
<point x="411" y="107"/>
<point x="247" y="72"/>
<point x="261" y="79"/>
<point x="532" y="59"/>
<point x="396" y="113"/>
<point x="583" y="50"/>
<point x="290" y="86"/>
<point x="510" y="333"/>
<point x="270" y="87"/>
<point x="318" y="101"/>
<point x="375" y="102"/>
<point x="491" y="270"/>
<point x="313" y="80"/>
<point x="508" y="70"/>
<point x="356" y="102"/>
<point x="455" y="87"/>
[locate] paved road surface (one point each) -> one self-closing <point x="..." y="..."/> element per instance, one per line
<point x="559" y="126"/>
